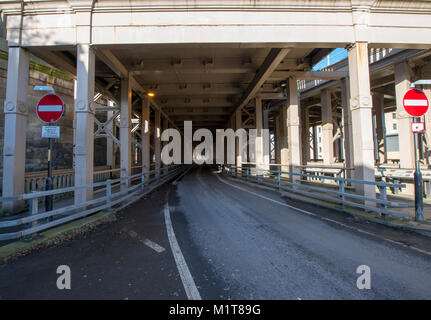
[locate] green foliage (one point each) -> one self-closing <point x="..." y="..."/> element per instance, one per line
<point x="41" y="68"/>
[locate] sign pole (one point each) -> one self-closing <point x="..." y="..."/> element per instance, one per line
<point x="416" y="104"/>
<point x="49" y="109"/>
<point x="48" y="184"/>
<point x="419" y="205"/>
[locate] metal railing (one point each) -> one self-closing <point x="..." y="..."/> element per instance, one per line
<point x="131" y="186"/>
<point x="290" y="181"/>
<point x="62" y="178"/>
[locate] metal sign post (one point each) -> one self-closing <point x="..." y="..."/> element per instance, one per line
<point x="49" y="109"/>
<point x="50" y="132"/>
<point x="419" y="204"/>
<point x="416" y="104"/>
<point x="48" y="183"/>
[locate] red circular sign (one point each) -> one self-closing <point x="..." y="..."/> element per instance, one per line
<point x="50" y="108"/>
<point x="415" y="102"/>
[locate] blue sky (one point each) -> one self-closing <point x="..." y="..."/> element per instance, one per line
<point x="335" y="56"/>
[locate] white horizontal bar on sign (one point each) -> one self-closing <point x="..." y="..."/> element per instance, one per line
<point x="415" y="102"/>
<point x="48" y="108"/>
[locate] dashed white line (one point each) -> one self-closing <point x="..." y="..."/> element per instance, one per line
<point x="147" y="242"/>
<point x="152" y="245"/>
<point x="324" y="218"/>
<point x="186" y="277"/>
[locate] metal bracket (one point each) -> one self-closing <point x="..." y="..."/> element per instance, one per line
<point x="420" y="82"/>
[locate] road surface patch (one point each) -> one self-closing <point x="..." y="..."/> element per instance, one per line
<point x="147" y="242"/>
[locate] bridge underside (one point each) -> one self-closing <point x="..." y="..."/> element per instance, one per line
<point x="221" y="68"/>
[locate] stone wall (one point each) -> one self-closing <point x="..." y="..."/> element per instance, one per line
<point x="36" y="153"/>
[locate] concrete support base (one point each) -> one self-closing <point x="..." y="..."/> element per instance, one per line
<point x="327" y="128"/>
<point x="294" y="131"/>
<point x="360" y="106"/>
<point x="15" y="125"/>
<point x="84" y="123"/>
<point x="125" y="134"/>
<point x="261" y="140"/>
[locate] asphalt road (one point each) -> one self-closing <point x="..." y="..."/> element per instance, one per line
<point x="236" y="242"/>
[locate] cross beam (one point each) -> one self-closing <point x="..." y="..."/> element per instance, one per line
<point x="268" y="66"/>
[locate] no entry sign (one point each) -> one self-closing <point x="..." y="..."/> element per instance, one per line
<point x="50" y="108"/>
<point x="415" y="103"/>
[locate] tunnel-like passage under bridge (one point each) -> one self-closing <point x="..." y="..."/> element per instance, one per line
<point x="219" y="66"/>
<point x="256" y="228"/>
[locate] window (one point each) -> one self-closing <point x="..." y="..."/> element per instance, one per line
<point x="392" y="143"/>
<point x="320" y="129"/>
<point x="320" y="139"/>
<point x="394" y="126"/>
<point x="320" y="149"/>
<point x="394" y="115"/>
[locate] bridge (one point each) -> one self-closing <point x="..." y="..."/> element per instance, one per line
<point x="208" y="151"/>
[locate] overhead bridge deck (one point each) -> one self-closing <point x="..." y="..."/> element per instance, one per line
<point x="246" y="149"/>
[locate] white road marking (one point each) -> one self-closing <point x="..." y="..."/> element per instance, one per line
<point x="186" y="277"/>
<point x="324" y="218"/>
<point x="152" y="245"/>
<point x="147" y="242"/>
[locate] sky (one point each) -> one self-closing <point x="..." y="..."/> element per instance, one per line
<point x="335" y="56"/>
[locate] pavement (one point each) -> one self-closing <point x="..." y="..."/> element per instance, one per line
<point x="211" y="237"/>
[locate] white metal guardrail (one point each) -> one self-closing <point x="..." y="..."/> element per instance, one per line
<point x="36" y="221"/>
<point x="279" y="180"/>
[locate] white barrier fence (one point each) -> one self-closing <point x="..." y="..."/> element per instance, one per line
<point x="135" y="185"/>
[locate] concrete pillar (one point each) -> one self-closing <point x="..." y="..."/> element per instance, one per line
<point x="145" y="134"/>
<point x="15" y="124"/>
<point x="360" y="106"/>
<point x="379" y="107"/>
<point x="258" y="140"/>
<point x="284" y="155"/>
<point x="238" y="125"/>
<point x="157" y="136"/>
<point x="110" y="149"/>
<point x="305" y="134"/>
<point x="261" y="156"/>
<point x="327" y="128"/>
<point x="294" y="130"/>
<point x="315" y="144"/>
<point x="277" y="125"/>
<point x="125" y="134"/>
<point x="405" y="135"/>
<point x="336" y="143"/>
<point x="347" y="127"/>
<point x="83" y="151"/>
<point x="266" y="156"/>
<point x="266" y="118"/>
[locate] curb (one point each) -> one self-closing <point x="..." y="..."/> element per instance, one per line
<point x="54" y="236"/>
